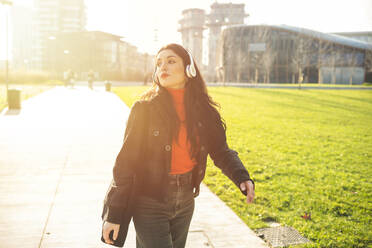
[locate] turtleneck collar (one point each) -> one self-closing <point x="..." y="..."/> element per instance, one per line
<point x="177" y="95"/>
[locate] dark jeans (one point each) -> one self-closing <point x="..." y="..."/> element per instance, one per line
<point x="165" y="224"/>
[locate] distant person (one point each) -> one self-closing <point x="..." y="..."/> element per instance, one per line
<point x="90" y="79"/>
<point x="72" y="78"/>
<point x="68" y="78"/>
<point x="163" y="158"/>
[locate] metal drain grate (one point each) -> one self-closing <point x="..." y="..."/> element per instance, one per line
<point x="281" y="236"/>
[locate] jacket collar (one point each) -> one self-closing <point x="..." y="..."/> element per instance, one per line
<point x="158" y="106"/>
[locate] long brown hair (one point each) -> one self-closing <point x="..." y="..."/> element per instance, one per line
<point x="199" y="106"/>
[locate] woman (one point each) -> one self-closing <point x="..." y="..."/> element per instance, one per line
<point x="162" y="162"/>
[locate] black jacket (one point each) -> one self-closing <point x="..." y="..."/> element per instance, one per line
<point x="144" y="161"/>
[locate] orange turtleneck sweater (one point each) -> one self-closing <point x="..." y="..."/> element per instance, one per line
<point x="181" y="160"/>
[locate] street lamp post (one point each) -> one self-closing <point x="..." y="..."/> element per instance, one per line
<point x="52" y="54"/>
<point x="5" y="2"/>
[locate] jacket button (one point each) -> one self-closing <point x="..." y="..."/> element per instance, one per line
<point x="200" y="124"/>
<point x="202" y="148"/>
<point x="200" y="172"/>
<point x="156" y="133"/>
<point x="167" y="148"/>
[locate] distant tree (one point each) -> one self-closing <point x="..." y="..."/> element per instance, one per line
<point x="368" y="62"/>
<point x="260" y="54"/>
<point x="352" y="63"/>
<point x="300" y="58"/>
<point x="268" y="59"/>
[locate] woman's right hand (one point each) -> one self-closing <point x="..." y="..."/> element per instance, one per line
<point x="107" y="228"/>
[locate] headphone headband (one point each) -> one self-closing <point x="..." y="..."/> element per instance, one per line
<point x="190" y="69"/>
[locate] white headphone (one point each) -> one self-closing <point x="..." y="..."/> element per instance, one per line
<point x="190" y="69"/>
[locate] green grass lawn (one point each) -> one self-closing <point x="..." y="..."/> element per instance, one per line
<point x="308" y="151"/>
<point x="27" y="91"/>
<point x="364" y="85"/>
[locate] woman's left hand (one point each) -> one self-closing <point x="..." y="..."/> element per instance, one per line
<point x="248" y="186"/>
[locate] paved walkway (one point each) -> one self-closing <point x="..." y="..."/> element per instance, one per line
<point x="56" y="159"/>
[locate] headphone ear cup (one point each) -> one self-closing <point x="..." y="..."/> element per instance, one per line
<point x="192" y="70"/>
<point x="188" y="71"/>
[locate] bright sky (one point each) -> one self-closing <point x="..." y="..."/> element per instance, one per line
<point x="136" y="20"/>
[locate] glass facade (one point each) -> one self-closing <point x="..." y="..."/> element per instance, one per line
<point x="270" y="54"/>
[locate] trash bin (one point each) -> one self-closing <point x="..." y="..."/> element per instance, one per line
<point x="14" y="99"/>
<point x="108" y="86"/>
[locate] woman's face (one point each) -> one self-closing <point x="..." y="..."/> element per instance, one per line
<point x="170" y="70"/>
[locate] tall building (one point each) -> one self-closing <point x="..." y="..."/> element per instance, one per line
<point x="21" y="36"/>
<point x="222" y="14"/>
<point x="191" y="27"/>
<point x="50" y="18"/>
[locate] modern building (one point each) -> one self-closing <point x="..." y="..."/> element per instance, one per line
<point x="191" y="27"/>
<point x="135" y="66"/>
<point x="286" y="54"/>
<point x="3" y="66"/>
<point x="195" y="21"/>
<point x="361" y="36"/>
<point x="221" y="15"/>
<point x="50" y="18"/>
<point x="105" y="54"/>
<point x="21" y="36"/>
